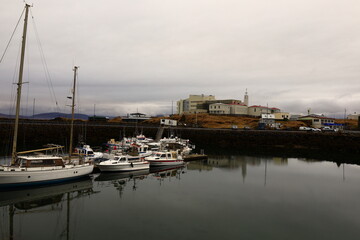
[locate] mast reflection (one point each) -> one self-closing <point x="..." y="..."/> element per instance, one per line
<point x="35" y="202"/>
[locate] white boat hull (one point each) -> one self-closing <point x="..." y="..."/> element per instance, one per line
<point x="45" y="175"/>
<point x="126" y="166"/>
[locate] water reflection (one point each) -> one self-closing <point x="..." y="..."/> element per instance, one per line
<point x="232" y="162"/>
<point x="208" y="199"/>
<point x="120" y="179"/>
<point x="23" y="210"/>
<point x="168" y="172"/>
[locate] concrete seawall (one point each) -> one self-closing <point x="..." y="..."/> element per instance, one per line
<point x="33" y="135"/>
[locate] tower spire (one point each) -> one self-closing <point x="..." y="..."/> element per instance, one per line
<point x="246" y="98"/>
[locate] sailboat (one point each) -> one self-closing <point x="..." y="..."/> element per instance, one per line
<point x="25" y="170"/>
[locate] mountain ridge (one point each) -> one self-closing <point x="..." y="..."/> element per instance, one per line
<point x="50" y="115"/>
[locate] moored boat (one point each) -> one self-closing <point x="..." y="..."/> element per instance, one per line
<point x="123" y="163"/>
<point x="165" y="159"/>
<point x="87" y="152"/>
<point x="40" y="169"/>
<point x="43" y="169"/>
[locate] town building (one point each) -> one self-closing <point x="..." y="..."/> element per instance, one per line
<point x="190" y="105"/>
<point x="208" y="104"/>
<point x="268" y="121"/>
<point x="228" y="109"/>
<point x="219" y="108"/>
<point x="354" y="116"/>
<point x="135" y="117"/>
<point x="257" y="110"/>
<point x="282" y="115"/>
<point x="317" y="121"/>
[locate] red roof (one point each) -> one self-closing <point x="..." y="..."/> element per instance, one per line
<point x="240" y="104"/>
<point x="259" y="106"/>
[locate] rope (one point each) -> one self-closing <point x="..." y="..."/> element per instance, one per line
<point x="43" y="60"/>
<point x="7" y="46"/>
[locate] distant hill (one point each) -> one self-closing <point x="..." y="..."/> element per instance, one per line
<point x="4" y="115"/>
<point x="62" y="115"/>
<point x="51" y="115"/>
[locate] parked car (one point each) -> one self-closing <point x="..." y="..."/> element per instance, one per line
<point x="316" y="129"/>
<point x="302" y="128"/>
<point x="329" y="129"/>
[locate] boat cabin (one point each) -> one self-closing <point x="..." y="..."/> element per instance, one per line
<point x="43" y="161"/>
<point x="127" y="158"/>
<point x="120" y="159"/>
<point x="86" y="150"/>
<point x="165" y="155"/>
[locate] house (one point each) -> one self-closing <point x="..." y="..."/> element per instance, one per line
<point x="317" y="121"/>
<point x="135" y="117"/>
<point x="257" y="110"/>
<point x="282" y="115"/>
<point x="228" y="109"/>
<point x="268" y="121"/>
<point x="353" y="116"/>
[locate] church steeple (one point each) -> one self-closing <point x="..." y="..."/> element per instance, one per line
<point x="246" y="98"/>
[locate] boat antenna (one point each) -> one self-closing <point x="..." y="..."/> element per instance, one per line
<point x="72" y="112"/>
<point x="19" y="85"/>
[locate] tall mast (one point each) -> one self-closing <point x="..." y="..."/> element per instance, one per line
<point x="19" y="85"/>
<point x="72" y="112"/>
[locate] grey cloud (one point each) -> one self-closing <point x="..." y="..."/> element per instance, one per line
<point x="289" y="54"/>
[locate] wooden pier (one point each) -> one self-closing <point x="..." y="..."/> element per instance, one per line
<point x="194" y="157"/>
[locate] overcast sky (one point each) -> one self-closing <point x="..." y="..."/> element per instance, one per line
<point x="142" y="55"/>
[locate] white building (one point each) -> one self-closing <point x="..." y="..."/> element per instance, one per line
<point x="219" y="108"/>
<point x="282" y="115"/>
<point x="353" y="116"/>
<point x="190" y="104"/>
<point x="257" y="110"/>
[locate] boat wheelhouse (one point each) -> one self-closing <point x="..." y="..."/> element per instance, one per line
<point x="165" y="158"/>
<point x="123" y="163"/>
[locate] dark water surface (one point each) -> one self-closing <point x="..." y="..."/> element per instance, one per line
<point x="226" y="197"/>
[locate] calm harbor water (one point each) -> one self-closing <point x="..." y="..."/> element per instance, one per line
<point x="225" y="197"/>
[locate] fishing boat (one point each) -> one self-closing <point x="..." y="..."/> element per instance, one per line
<point x="25" y="170"/>
<point x="123" y="163"/>
<point x="87" y="152"/>
<point x="165" y="159"/>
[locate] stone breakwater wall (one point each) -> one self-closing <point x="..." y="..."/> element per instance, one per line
<point x="34" y="135"/>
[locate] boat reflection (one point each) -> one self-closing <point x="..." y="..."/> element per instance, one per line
<point x="161" y="173"/>
<point x="111" y="176"/>
<point x="43" y="195"/>
<point x="120" y="179"/>
<point x="37" y="201"/>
